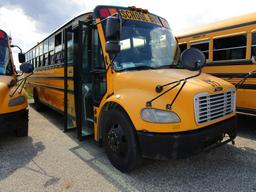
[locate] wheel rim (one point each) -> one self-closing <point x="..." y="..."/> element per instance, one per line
<point x="116" y="140"/>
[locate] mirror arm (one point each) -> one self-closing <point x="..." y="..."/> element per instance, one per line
<point x="169" y="106"/>
<point x="11" y="95"/>
<point x="17" y="47"/>
<point x="159" y="89"/>
<point x="149" y="103"/>
<point x="19" y="76"/>
<point x="241" y="82"/>
<point x="22" y="84"/>
<point x="104" y="19"/>
<point x="111" y="63"/>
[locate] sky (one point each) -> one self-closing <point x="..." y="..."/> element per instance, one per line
<point x="29" y="21"/>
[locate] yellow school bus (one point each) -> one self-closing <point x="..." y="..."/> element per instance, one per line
<point x="230" y="49"/>
<point x="13" y="99"/>
<point x="117" y="74"/>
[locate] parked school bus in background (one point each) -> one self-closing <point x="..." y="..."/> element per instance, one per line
<point x="230" y="49"/>
<point x="117" y="73"/>
<point x="13" y="99"/>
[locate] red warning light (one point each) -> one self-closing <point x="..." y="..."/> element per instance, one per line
<point x="104" y="12"/>
<point x="2" y="35"/>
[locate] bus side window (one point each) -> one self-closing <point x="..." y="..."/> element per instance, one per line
<point x="98" y="59"/>
<point x="203" y="46"/>
<point x="51" y="51"/>
<point x="254" y="45"/>
<point x="46" y="49"/>
<point x="34" y="57"/>
<point x="58" y="49"/>
<point x="41" y="61"/>
<point x="99" y="80"/>
<point x="183" y="47"/>
<point x="229" y="48"/>
<point x="70" y="48"/>
<point x="37" y="57"/>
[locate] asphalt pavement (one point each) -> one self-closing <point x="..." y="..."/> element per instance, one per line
<point x="51" y="160"/>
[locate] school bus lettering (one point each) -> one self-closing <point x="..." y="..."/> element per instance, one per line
<point x="139" y="16"/>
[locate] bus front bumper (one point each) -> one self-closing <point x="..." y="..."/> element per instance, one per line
<point x="184" y="144"/>
<point x="8" y="122"/>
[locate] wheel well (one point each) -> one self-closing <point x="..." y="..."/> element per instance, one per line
<point x="105" y="108"/>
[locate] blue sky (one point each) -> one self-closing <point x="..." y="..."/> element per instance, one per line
<point x="29" y="21"/>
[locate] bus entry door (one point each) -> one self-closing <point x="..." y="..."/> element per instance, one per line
<point x="77" y="76"/>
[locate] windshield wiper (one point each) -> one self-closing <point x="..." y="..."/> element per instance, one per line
<point x="240" y="83"/>
<point x="142" y="67"/>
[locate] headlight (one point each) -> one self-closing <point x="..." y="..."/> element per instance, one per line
<point x="17" y="101"/>
<point x="159" y="116"/>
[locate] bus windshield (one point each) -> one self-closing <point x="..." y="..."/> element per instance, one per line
<point x="4" y="56"/>
<point x="146" y="46"/>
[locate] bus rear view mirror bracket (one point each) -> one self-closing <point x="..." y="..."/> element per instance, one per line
<point x="21" y="56"/>
<point x="113" y="33"/>
<point x="193" y="59"/>
<point x="26" y="68"/>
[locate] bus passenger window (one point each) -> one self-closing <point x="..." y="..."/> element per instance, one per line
<point x="183" y="47"/>
<point x="41" y="61"/>
<point x="254" y="45"/>
<point x="37" y="58"/>
<point x="51" y="51"/>
<point x="70" y="48"/>
<point x="46" y="49"/>
<point x="58" y="49"/>
<point x="229" y="48"/>
<point x="203" y="46"/>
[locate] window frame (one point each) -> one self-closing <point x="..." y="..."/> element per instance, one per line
<point x="202" y="42"/>
<point x="253" y="45"/>
<point x="229" y="48"/>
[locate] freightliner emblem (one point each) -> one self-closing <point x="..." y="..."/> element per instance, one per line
<point x="216" y="86"/>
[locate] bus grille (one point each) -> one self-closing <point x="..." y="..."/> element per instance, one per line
<point x="211" y="107"/>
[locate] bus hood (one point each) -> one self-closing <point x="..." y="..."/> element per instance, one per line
<point x="149" y="79"/>
<point x="134" y="90"/>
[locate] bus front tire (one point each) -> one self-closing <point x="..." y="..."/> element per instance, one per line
<point x="120" y="140"/>
<point x="22" y="125"/>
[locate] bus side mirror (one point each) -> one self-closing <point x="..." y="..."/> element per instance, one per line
<point x="21" y="57"/>
<point x="113" y="32"/>
<point x="193" y="59"/>
<point x="26" y="68"/>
